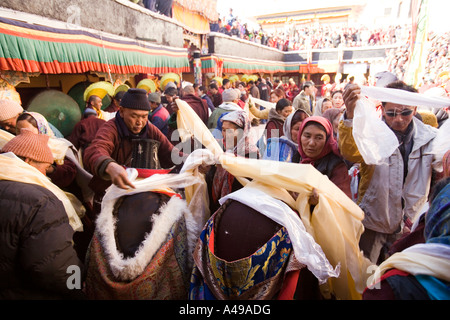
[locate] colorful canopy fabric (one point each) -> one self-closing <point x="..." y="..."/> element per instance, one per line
<point x="34" y="48"/>
<point x="243" y="65"/>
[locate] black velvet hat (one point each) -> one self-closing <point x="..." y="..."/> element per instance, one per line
<point x="135" y="99"/>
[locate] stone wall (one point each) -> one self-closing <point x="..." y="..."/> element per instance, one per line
<point x="119" y="17"/>
<point x="225" y="45"/>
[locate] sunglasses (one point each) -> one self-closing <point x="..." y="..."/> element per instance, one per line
<point x="403" y="113"/>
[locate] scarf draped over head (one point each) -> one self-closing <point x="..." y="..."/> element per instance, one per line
<point x="247" y="143"/>
<point x="287" y="126"/>
<point x="332" y="114"/>
<point x="42" y="124"/>
<point x="246" y="147"/>
<point x="330" y="145"/>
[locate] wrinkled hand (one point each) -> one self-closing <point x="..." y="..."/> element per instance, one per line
<point x="174" y="107"/>
<point x="314" y="198"/>
<point x="351" y="95"/>
<point x="174" y="104"/>
<point x="118" y="176"/>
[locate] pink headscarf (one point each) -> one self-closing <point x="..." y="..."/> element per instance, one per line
<point x="330" y="145"/>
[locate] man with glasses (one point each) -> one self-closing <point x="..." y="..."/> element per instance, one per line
<point x="391" y="194"/>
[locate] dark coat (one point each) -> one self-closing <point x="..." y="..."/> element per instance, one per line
<point x="35" y="244"/>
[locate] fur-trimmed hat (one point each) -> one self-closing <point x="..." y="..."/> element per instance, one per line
<point x="30" y="145"/>
<point x="9" y="109"/>
<point x="135" y="99"/>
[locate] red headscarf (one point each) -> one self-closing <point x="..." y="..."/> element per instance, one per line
<point x="330" y="145"/>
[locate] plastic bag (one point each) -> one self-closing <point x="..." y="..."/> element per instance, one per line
<point x="375" y="140"/>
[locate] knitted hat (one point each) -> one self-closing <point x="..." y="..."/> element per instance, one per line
<point x="30" y="145"/>
<point x="230" y="95"/>
<point x="9" y="109"/>
<point x="135" y="99"/>
<point x="154" y="97"/>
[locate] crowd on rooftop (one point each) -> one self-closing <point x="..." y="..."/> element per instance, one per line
<point x="315" y="36"/>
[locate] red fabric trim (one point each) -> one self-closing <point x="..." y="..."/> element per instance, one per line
<point x="289" y="286"/>
<point x="387" y="274"/>
<point x="211" y="241"/>
<point x="394" y="272"/>
<point x="145" y="173"/>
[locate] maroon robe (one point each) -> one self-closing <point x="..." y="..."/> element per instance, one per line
<point x="198" y="105"/>
<point x="84" y="132"/>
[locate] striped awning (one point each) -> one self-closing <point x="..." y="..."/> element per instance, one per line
<point x="242" y="65"/>
<point x="34" y="48"/>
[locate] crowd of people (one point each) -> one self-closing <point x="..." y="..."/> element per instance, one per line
<point x="437" y="59"/>
<point x="312" y="36"/>
<point x="175" y="197"/>
<point x="163" y="7"/>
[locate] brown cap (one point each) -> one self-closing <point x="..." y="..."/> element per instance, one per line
<point x="30" y="145"/>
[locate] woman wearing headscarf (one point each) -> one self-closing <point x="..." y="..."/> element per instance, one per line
<point x="318" y="147"/>
<point x="322" y="106"/>
<point x="33" y="121"/>
<point x="238" y="139"/>
<point x="286" y="147"/>
<point x="61" y="175"/>
<point x="333" y="115"/>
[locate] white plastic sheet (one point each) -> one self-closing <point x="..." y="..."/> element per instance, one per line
<point x="375" y="140"/>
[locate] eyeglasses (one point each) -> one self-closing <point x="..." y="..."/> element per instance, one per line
<point x="403" y="113"/>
